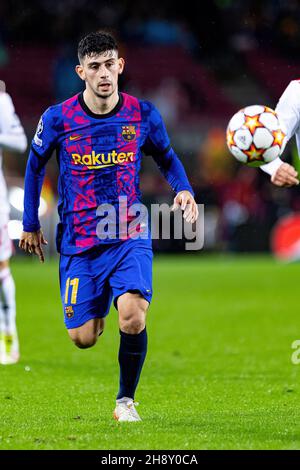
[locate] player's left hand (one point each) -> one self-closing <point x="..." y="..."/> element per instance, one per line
<point x="187" y="203"/>
<point x="31" y="242"/>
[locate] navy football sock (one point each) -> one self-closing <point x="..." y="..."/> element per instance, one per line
<point x="132" y="353"/>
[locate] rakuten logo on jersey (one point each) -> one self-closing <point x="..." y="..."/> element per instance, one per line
<point x="102" y="160"/>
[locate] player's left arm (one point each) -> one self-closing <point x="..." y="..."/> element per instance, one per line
<point x="158" y="146"/>
<point x="12" y="135"/>
<point x="174" y="172"/>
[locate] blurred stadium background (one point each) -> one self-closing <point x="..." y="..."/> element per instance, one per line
<point x="198" y="62"/>
<point x="218" y="373"/>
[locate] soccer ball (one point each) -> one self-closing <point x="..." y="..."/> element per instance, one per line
<point x="255" y="135"/>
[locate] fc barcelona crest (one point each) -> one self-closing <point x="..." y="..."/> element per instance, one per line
<point x="69" y="311"/>
<point x="128" y="133"/>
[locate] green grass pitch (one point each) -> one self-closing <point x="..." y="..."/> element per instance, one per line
<point x="218" y="374"/>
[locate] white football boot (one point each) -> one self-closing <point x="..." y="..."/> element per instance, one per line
<point x="125" y="410"/>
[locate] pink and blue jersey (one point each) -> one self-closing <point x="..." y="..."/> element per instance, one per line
<point x="99" y="158"/>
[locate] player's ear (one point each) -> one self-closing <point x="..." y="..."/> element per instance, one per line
<point x="80" y="71"/>
<point x="121" y="64"/>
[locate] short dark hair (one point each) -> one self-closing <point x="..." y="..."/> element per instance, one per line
<point x="96" y="43"/>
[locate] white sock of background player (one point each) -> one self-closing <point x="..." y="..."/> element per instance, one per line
<point x="8" y="295"/>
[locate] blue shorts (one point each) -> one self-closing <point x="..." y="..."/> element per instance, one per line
<point x="89" y="281"/>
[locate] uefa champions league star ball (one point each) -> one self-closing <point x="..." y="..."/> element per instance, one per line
<point x="255" y="135"/>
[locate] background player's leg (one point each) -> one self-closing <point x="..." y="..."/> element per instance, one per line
<point x="10" y="343"/>
<point x="132" y="308"/>
<point x="2" y="332"/>
<point x="86" y="336"/>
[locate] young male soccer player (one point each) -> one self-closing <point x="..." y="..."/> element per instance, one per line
<point x="288" y="108"/>
<point x="12" y="137"/>
<point x="99" y="136"/>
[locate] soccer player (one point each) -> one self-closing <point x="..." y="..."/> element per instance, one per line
<point x="12" y="137"/>
<point x="288" y="109"/>
<point x="99" y="136"/>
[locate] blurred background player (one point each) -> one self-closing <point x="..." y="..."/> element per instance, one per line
<point x="12" y="137"/>
<point x="288" y="108"/>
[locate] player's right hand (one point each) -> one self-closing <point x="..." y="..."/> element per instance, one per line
<point x="285" y="176"/>
<point x="31" y="242"/>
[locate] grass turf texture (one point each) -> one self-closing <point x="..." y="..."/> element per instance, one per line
<point x="218" y="373"/>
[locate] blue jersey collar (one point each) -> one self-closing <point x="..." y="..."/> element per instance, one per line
<point x="87" y="110"/>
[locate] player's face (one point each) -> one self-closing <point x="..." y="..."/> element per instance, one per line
<point x="101" y="72"/>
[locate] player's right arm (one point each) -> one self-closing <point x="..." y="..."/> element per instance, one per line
<point x="288" y="109"/>
<point x="42" y="146"/>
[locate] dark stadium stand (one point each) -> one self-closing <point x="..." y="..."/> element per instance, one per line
<point x="149" y="66"/>
<point x="272" y="70"/>
<point x="29" y="79"/>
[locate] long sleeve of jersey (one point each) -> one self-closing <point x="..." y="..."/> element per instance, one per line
<point x="12" y="135"/>
<point x="158" y="146"/>
<point x="41" y="150"/>
<point x="288" y="109"/>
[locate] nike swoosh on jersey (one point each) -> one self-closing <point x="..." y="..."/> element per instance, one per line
<point x="74" y="137"/>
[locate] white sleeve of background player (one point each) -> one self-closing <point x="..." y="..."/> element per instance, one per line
<point x="12" y="135"/>
<point x="271" y="167"/>
<point x="288" y="109"/>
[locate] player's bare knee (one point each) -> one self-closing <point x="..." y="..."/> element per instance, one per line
<point x="87" y="335"/>
<point x="83" y="341"/>
<point x="132" y="310"/>
<point x="135" y="327"/>
<point x="133" y="322"/>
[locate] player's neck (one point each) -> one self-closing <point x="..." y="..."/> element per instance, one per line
<point x="100" y="105"/>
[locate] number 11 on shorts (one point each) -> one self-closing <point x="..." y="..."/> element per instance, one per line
<point x="74" y="284"/>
